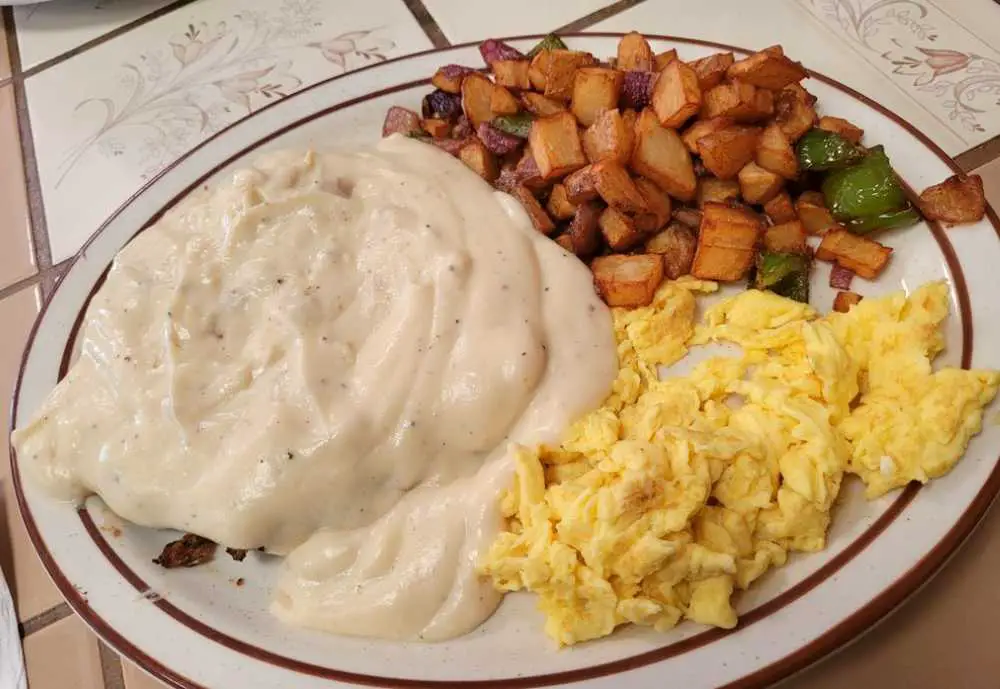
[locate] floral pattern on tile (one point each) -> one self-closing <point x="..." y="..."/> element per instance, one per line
<point x="940" y="64"/>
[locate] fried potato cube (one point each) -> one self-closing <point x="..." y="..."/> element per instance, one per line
<point x="758" y="185"/>
<point x="775" y="153"/>
<point x="864" y="256"/>
<point x="565" y="241"/>
<point x="400" y="121"/>
<point x="812" y="211"/>
<point x="727" y="242"/>
<point x="436" y="127"/>
<point x="843" y="302"/>
<point x="584" y="229"/>
<point x="449" y="78"/>
<point x="595" y="89"/>
<point x="780" y="209"/>
<point x="676" y="96"/>
<point x="581" y="185"/>
<point x="627" y="281"/>
<point x="713" y="189"/>
<point x="477" y="99"/>
<point x="619" y="230"/>
<point x="609" y="138"/>
<point x="559" y="206"/>
<point x="689" y="217"/>
<point x="786" y="238"/>
<point x="726" y="151"/>
<point x="539" y="218"/>
<point x="701" y="128"/>
<point x="767" y="69"/>
<point x="503" y="102"/>
<point x="842" y="127"/>
<point x="660" y="155"/>
<point x="794" y="111"/>
<point x="511" y="73"/>
<point x="561" y="70"/>
<point x="658" y="203"/>
<point x="538" y="68"/>
<point x="539" y="105"/>
<point x="958" y="199"/>
<point x="483" y="163"/>
<point x="527" y="173"/>
<point x="711" y="70"/>
<point x="617" y="188"/>
<point x="677" y="245"/>
<point x="634" y="53"/>
<point x="555" y="143"/>
<point x="740" y="101"/>
<point x="661" y="60"/>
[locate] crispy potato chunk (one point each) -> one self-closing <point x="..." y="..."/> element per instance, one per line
<point x="661" y="60"/>
<point x="627" y="281"/>
<point x="555" y="143"/>
<point x="958" y="199"/>
<point x="739" y="101"/>
<point x="565" y="241"/>
<point x="526" y="172"/>
<point x="483" y="163"/>
<point x="843" y="302"/>
<point x="581" y="185"/>
<point x="538" y="68"/>
<point x="786" y="238"/>
<point x="660" y="155"/>
<point x="794" y="111"/>
<point x="511" y="73"/>
<point x="560" y="73"/>
<point x="780" y="209"/>
<point x="726" y="151"/>
<point x="711" y="70"/>
<point x="617" y="188"/>
<point x="864" y="256"/>
<point x="677" y="245"/>
<point x="609" y="138"/>
<point x="768" y="70"/>
<point x="676" y="96"/>
<point x="658" y="203"/>
<point x="702" y="128"/>
<point x="449" y="79"/>
<point x="559" y="206"/>
<point x="713" y="189"/>
<point x="436" y="127"/>
<point x="689" y="217"/>
<point x="539" y="105"/>
<point x="539" y="218"/>
<point x="775" y="152"/>
<point x="842" y="127"/>
<point x="812" y="211"/>
<point x="634" y="53"/>
<point x="502" y="102"/>
<point x="477" y="99"/>
<point x="584" y="230"/>
<point x="758" y="185"/>
<point x="619" y="230"/>
<point x="727" y="242"/>
<point x="595" y="89"/>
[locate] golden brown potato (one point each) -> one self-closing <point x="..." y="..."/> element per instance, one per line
<point x="477" y="99"/>
<point x="758" y="185"/>
<point x="711" y="70"/>
<point x="726" y="151"/>
<point x="677" y="245"/>
<point x="539" y="105"/>
<point x="482" y="162"/>
<point x="842" y="127"/>
<point x="527" y="173"/>
<point x="634" y="53"/>
<point x="727" y="242"/>
<point x="617" y="188"/>
<point x="449" y="80"/>
<point x="609" y="138"/>
<point x="768" y="70"/>
<point x="559" y="206"/>
<point x="958" y="199"/>
<point x="595" y="89"/>
<point x="538" y="69"/>
<point x="565" y="241"/>
<point x="676" y="96"/>
<point x="561" y="72"/>
<point x="742" y="102"/>
<point x="780" y="209"/>
<point x="619" y="230"/>
<point x="438" y="128"/>
<point x="584" y="231"/>
<point x="864" y="256"/>
<point x="717" y="190"/>
<point x="539" y="218"/>
<point x="786" y="238"/>
<point x="661" y="60"/>
<point x="794" y="111"/>
<point x="843" y="302"/>
<point x="701" y="128"/>
<point x="581" y="186"/>
<point x="658" y="203"/>
<point x="689" y="217"/>
<point x="812" y="211"/>
<point x="511" y="73"/>
<point x="628" y="281"/>
<point x="555" y="143"/>
<point x="775" y="153"/>
<point x="503" y="102"/>
<point x="660" y="155"/>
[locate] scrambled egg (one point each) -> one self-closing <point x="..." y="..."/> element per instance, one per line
<point x="676" y="493"/>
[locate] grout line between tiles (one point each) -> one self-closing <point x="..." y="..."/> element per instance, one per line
<point x="976" y="157"/>
<point x="427" y="23"/>
<point x="51" y="275"/>
<point x="598" y="16"/>
<point x="111" y="667"/>
<point x="44" y="619"/>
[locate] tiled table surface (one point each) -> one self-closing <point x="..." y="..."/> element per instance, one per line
<point x="97" y="95"/>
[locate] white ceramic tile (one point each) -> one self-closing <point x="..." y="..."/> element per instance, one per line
<point x="109" y="119"/>
<point x="940" y="64"/>
<point x="980" y="17"/>
<point x="47" y="30"/>
<point x="463" y="21"/>
<point x="804" y="37"/>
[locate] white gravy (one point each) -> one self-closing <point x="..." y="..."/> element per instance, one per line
<point x="328" y="356"/>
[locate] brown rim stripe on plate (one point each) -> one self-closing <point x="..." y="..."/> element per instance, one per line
<point x="852" y="626"/>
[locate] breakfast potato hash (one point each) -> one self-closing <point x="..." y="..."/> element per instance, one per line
<point x="548" y="126"/>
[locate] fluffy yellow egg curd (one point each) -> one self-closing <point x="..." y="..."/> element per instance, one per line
<point x="677" y="492"/>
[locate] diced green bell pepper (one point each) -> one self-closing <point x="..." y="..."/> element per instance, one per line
<point x="884" y="221"/>
<point x="783" y="274"/>
<point x="865" y="190"/>
<point x="550" y="42"/>
<point x="518" y="125"/>
<point x="819" y="149"/>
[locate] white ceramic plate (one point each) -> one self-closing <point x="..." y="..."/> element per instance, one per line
<point x="197" y="628"/>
